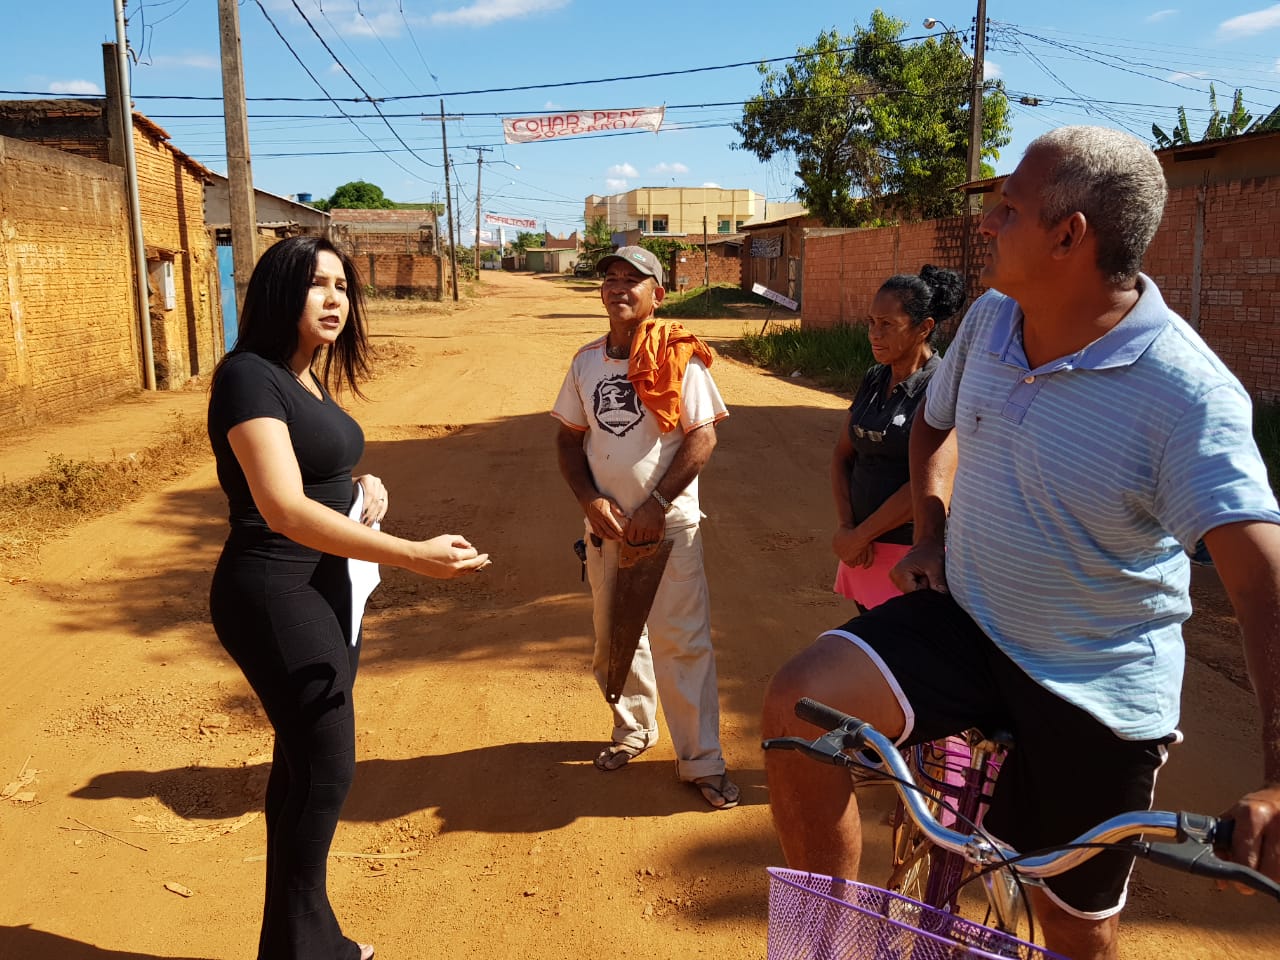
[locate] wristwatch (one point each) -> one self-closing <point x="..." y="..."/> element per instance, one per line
<point x="663" y="502"/>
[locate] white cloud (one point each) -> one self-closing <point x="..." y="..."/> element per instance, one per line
<point x="615" y="184"/>
<point x="1160" y="15"/>
<point x="667" y="169"/>
<point x="381" y="25"/>
<point x="484" y="13"/>
<point x="991" y="71"/>
<point x="711" y="185"/>
<point x="623" y="170"/>
<point x="1248" y="24"/>
<point x="1187" y="75"/>
<point x="75" y="87"/>
<point x="1278" y="66"/>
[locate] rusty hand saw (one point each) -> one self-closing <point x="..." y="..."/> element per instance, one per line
<point x="634" y="583"/>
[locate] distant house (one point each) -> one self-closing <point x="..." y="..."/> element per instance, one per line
<point x="542" y="260"/>
<point x="397" y="251"/>
<point x="186" y="327"/>
<point x="571" y="242"/>
<point x="676" y="211"/>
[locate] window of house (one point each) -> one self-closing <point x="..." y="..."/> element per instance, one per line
<point x="740" y="223"/>
<point x="722" y="226"/>
<point x="659" y="224"/>
<point x="643" y="223"/>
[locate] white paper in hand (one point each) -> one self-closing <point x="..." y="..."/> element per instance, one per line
<point x="364" y="575"/>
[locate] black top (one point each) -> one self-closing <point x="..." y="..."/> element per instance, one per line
<point x="880" y="428"/>
<point x="326" y="441"/>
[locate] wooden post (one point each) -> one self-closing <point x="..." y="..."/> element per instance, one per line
<point x="244" y="216"/>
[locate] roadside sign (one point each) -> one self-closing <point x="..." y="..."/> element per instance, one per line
<point x="763" y="291"/>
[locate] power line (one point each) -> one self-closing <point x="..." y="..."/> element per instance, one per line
<point x="342" y="66"/>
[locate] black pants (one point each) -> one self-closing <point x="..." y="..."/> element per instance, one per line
<point x="283" y="621"/>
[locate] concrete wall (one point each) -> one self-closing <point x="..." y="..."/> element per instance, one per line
<point x="68" y="329"/>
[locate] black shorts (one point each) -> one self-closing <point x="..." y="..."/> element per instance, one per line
<point x="1067" y="771"/>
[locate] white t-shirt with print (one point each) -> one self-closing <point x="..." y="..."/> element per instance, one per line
<point x="627" y="453"/>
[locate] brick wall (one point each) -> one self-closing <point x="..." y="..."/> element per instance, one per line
<point x="1216" y="259"/>
<point x="68" y="330"/>
<point x="401" y="274"/>
<point x="187" y="340"/>
<point x="843" y="272"/>
<point x="690" y="266"/>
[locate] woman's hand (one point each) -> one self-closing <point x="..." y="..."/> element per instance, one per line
<point x="851" y="547"/>
<point x="376" y="501"/>
<point x="447" y="556"/>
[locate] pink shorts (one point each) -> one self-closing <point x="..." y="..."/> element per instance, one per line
<point x="871" y="586"/>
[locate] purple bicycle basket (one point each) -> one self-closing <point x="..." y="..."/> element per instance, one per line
<point x="815" y="917"/>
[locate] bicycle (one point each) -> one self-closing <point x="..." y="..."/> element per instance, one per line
<point x="814" y="917"/>
<point x="955" y="777"/>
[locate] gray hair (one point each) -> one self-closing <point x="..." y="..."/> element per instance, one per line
<point x="1115" y="180"/>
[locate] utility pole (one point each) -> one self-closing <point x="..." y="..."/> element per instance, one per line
<point x="975" y="102"/>
<point x="480" y="152"/>
<point x="448" y="204"/>
<point x="124" y="131"/>
<point x="244" y="216"/>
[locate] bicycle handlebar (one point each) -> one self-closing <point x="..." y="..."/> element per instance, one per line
<point x="1195" y="835"/>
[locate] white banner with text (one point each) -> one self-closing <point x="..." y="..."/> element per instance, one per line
<point x="520" y="223"/>
<point x="550" y="125"/>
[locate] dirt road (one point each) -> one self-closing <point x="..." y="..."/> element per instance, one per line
<point x="477" y="826"/>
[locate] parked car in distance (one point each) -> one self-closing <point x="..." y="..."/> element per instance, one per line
<point x="584" y="268"/>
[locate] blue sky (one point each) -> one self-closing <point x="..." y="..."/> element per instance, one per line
<point x="1116" y="63"/>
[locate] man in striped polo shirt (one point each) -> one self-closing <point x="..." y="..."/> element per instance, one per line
<point x="1092" y="439"/>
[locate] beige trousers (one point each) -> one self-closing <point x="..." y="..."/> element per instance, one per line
<point x="674" y="662"/>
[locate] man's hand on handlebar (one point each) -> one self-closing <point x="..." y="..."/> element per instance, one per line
<point x="1256" y="840"/>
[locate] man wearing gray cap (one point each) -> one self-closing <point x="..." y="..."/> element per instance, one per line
<point x="637" y="414"/>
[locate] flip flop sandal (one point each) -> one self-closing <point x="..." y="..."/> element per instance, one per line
<point x="719" y="791"/>
<point x="616" y="755"/>
<point x="366" y="951"/>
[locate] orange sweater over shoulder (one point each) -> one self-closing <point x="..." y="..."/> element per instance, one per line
<point x="660" y="352"/>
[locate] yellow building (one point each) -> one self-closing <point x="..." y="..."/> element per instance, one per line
<point x="677" y="210"/>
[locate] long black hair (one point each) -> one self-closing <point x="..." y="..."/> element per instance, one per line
<point x="275" y="299"/>
<point x="934" y="292"/>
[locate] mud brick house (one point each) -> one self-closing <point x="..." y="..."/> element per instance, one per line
<point x="67" y="254"/>
<point x="396" y="251"/>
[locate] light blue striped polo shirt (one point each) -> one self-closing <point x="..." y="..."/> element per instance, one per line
<point x="1081" y="484"/>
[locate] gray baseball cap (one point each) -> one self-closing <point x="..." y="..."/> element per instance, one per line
<point x="638" y="257"/>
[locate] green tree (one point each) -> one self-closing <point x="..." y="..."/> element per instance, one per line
<point x="1220" y="124"/>
<point x="524" y="241"/>
<point x="878" y="128"/>
<point x="359" y="195"/>
<point x="597" y="240"/>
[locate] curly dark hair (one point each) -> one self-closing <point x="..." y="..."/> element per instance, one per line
<point x="275" y="299"/>
<point x="934" y="292"/>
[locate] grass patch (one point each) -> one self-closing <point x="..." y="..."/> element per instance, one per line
<point x="718" y="300"/>
<point x="835" y="357"/>
<point x="70" y="491"/>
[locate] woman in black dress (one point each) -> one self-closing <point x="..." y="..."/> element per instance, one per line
<point x="281" y="600"/>
<point x="869" y="466"/>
